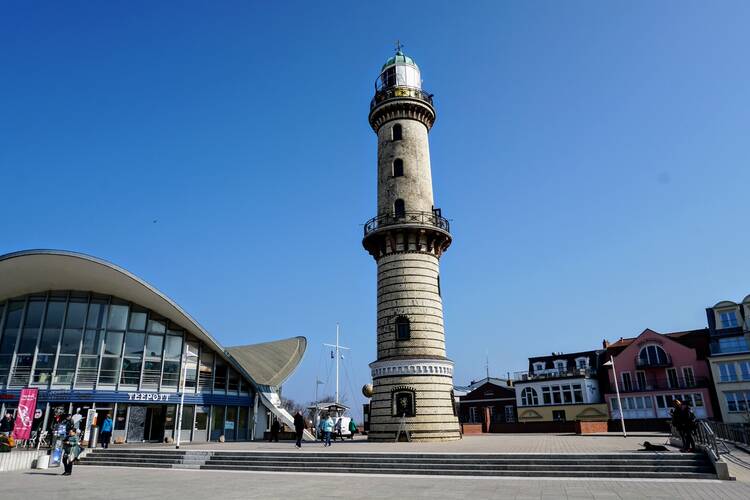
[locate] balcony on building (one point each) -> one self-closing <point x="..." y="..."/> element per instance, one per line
<point x="655" y="358"/>
<point x="554" y="373"/>
<point x="648" y="384"/>
<point x="433" y="219"/>
<point x="729" y="344"/>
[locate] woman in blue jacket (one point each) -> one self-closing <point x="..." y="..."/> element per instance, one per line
<point x="327" y="430"/>
<point x="106" y="431"/>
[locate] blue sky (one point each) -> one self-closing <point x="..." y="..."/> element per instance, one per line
<point x="592" y="156"/>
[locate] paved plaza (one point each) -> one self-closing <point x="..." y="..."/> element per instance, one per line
<point x="129" y="483"/>
<point x="126" y="483"/>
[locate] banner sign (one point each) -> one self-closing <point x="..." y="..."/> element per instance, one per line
<point x="57" y="449"/>
<point x="90" y="421"/>
<point x="25" y="414"/>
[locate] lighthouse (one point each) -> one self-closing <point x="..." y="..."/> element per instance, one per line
<point x="412" y="377"/>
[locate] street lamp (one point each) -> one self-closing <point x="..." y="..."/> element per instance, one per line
<point x="185" y="356"/>
<point x="611" y="363"/>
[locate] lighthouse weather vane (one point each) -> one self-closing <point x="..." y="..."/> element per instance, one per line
<point x="399" y="46"/>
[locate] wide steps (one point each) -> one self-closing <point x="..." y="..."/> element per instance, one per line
<point x="662" y="465"/>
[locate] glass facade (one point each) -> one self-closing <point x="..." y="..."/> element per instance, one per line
<point x="70" y="344"/>
<point x="74" y="340"/>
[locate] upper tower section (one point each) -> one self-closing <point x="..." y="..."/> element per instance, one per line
<point x="399" y="93"/>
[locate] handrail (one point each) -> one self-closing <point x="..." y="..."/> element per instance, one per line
<point x="424" y="218"/>
<point x="707" y="437"/>
<point x="400" y="92"/>
<point x="649" y="363"/>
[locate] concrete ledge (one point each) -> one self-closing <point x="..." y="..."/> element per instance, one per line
<point x="19" y="460"/>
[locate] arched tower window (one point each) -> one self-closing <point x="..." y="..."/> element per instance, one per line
<point x="399" y="209"/>
<point x="404" y="402"/>
<point x="403" y="328"/>
<point x="398" y="167"/>
<point x="396" y="132"/>
<point x="653" y="355"/>
<point x="529" y="397"/>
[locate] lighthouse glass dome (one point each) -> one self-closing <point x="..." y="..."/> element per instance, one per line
<point x="399" y="71"/>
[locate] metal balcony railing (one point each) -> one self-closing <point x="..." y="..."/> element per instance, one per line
<point x="554" y="373"/>
<point x="424" y="218"/>
<point x="660" y="384"/>
<point x="400" y="92"/>
<point x="648" y="362"/>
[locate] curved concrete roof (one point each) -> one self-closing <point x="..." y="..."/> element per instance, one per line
<point x="34" y="271"/>
<point x="270" y="363"/>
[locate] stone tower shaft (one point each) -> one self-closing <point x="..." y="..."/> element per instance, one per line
<point x="412" y="378"/>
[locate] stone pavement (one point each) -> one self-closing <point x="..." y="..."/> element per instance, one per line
<point x="114" y="483"/>
<point x="486" y="443"/>
<point x="143" y="484"/>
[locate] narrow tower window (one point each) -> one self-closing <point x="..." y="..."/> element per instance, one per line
<point x="399" y="209"/>
<point x="396" y="132"/>
<point x="403" y="328"/>
<point x="398" y="167"/>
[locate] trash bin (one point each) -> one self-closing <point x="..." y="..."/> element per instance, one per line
<point x="42" y="462"/>
<point x="93" y="437"/>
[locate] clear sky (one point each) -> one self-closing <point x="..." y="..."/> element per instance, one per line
<point x="592" y="156"/>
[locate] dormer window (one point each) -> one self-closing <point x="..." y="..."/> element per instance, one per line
<point x="728" y="319"/>
<point x="582" y="363"/>
<point x="538" y="367"/>
<point x="561" y="365"/>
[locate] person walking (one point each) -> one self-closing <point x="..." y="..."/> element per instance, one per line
<point x="299" y="427"/>
<point x="71" y="450"/>
<point x="337" y="430"/>
<point x="6" y="424"/>
<point x="106" y="431"/>
<point x="275" y="427"/>
<point x="327" y="425"/>
<point x="683" y="421"/>
<point x="352" y="429"/>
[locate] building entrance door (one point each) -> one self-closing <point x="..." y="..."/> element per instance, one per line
<point x="154" y="428"/>
<point x="136" y="423"/>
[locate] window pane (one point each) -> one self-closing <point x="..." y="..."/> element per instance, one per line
<point x="134" y="344"/>
<point x="220" y="377"/>
<point x="66" y="367"/>
<point x="151" y="373"/>
<point x="137" y="320"/>
<point x="113" y="343"/>
<point x="70" y="341"/>
<point x="55" y="313"/>
<point x="92" y="341"/>
<point x="12" y="322"/>
<point x="201" y="418"/>
<point x="109" y="370"/>
<point x="120" y="416"/>
<point x="76" y="315"/>
<point x="31" y="327"/>
<point x="48" y="342"/>
<point x="131" y="371"/>
<point x="118" y="317"/>
<point x="187" y="417"/>
<point x="157" y="326"/>
<point x="234" y="380"/>
<point x="206" y="371"/>
<point x="171" y="373"/>
<point x="34" y="314"/>
<point x="173" y="348"/>
<point x="154" y="345"/>
<point x="97" y="313"/>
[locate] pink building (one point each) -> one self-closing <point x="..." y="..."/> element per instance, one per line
<point x="654" y="369"/>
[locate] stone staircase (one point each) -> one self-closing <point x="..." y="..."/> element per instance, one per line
<point x="641" y="465"/>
